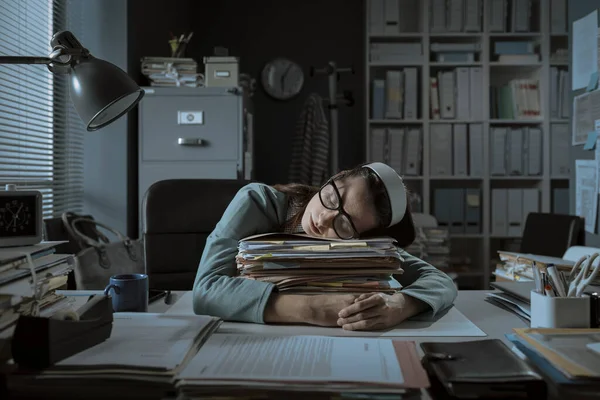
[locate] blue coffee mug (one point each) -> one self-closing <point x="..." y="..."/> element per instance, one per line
<point x="130" y="292"/>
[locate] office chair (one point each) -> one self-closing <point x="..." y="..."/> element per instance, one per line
<point x="551" y="234"/>
<point x="178" y="216"/>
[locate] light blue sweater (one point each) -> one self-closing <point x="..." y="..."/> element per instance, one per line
<point x="258" y="208"/>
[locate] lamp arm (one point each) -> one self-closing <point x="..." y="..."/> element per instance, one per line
<point x="25" y="60"/>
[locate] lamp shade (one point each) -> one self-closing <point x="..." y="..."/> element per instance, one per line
<point x="101" y="92"/>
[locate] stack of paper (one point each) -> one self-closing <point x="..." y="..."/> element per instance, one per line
<point x="19" y="295"/>
<point x="432" y="245"/>
<point x="299" y="263"/>
<point x="167" y="71"/>
<point x="144" y="347"/>
<point x="230" y="365"/>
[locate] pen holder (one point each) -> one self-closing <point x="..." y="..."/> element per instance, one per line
<point x="559" y="312"/>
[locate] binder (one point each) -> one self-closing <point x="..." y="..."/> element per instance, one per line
<point x="411" y="84"/>
<point x="476" y="150"/>
<point x="460" y="156"/>
<point x="378" y="144"/>
<point x="554" y="93"/>
<point x="473" y="210"/>
<point x="462" y="78"/>
<point x="376" y="17"/>
<point x="442" y="206"/>
<point x="499" y="212"/>
<point x="454" y="15"/>
<point x="534" y="151"/>
<point x="396" y="149"/>
<point x="476" y="93"/>
<point x="440" y="150"/>
<point x="378" y="99"/>
<point x="565" y="109"/>
<point x="392" y="17"/>
<point x="473" y="11"/>
<point x="438" y="15"/>
<point x="447" y="95"/>
<point x="515" y="212"/>
<point x="531" y="204"/>
<point x="434" y="98"/>
<point x="413" y="152"/>
<point x="560" y="145"/>
<point x="497" y="15"/>
<point x="515" y="153"/>
<point x="498" y="151"/>
<point x="558" y="16"/>
<point x="394" y="81"/>
<point x="560" y="201"/>
<point x="457" y="211"/>
<point x="521" y="15"/>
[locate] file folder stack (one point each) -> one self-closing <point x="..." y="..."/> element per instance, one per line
<point x="301" y="264"/>
<point x="18" y="296"/>
<point x="432" y="245"/>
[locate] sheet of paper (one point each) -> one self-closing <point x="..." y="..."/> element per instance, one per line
<point x="586" y="110"/>
<point x="295" y="358"/>
<point x="452" y="323"/>
<point x="585" y="49"/>
<point x="143" y="341"/>
<point x="586" y="192"/>
<point x="597" y="159"/>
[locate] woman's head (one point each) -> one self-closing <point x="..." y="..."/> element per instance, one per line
<point x="353" y="203"/>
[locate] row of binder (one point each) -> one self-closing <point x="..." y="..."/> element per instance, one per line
<point x="400" y="148"/>
<point x="560" y="92"/>
<point x="510" y="208"/>
<point x="458" y="209"/>
<point x="516" y="151"/>
<point x="510" y="16"/>
<point x="396" y="97"/>
<point x="456" y="15"/>
<point x="457" y="94"/>
<point x="519" y="99"/>
<point x="456" y="150"/>
<point x="389" y="17"/>
<point x="560" y="148"/>
<point x="406" y="52"/>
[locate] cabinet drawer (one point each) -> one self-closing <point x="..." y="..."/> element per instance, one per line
<point x="190" y="128"/>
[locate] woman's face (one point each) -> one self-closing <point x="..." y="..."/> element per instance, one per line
<point x="318" y="220"/>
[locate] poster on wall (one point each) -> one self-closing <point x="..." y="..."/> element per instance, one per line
<point x="586" y="192"/>
<point x="586" y="110"/>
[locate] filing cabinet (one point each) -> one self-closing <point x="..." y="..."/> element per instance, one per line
<point x="193" y="133"/>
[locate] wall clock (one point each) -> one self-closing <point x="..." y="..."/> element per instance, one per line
<point x="20" y="217"/>
<point x="282" y="79"/>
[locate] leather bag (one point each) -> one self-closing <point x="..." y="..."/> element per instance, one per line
<point x="101" y="259"/>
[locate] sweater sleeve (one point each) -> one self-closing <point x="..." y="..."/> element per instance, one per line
<point x="256" y="208"/>
<point x="426" y="283"/>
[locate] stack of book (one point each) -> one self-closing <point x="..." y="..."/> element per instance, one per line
<point x="29" y="277"/>
<point x="171" y="72"/>
<point x="301" y="264"/>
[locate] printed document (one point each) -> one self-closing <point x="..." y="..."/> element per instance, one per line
<point x="586" y="192"/>
<point x="586" y="110"/>
<point x="585" y="49"/>
<point x="295" y="359"/>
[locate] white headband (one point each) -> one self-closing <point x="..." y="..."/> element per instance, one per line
<point x="395" y="189"/>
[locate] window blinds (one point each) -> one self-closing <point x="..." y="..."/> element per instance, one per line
<point x="41" y="136"/>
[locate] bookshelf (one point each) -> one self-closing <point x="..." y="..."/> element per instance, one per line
<point x="473" y="249"/>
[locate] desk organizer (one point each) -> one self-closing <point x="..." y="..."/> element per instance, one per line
<point x="559" y="312"/>
<point x="40" y="342"/>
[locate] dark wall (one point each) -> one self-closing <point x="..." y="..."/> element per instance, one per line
<point x="309" y="32"/>
<point x="578" y="9"/>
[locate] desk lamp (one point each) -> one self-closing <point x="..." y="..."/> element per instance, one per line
<point x="100" y="91"/>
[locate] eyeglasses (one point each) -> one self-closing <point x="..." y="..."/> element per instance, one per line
<point x="332" y="200"/>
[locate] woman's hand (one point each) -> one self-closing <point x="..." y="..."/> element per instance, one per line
<point x="374" y="311"/>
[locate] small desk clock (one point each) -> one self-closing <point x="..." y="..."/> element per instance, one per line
<point x="20" y="217"/>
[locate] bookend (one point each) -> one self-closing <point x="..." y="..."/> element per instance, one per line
<point x="41" y="342"/>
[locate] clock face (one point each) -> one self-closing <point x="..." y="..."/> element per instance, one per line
<point x="282" y="79"/>
<point x="18" y="216"/>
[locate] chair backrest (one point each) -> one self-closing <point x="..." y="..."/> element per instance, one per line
<point x="551" y="234"/>
<point x="178" y="216"/>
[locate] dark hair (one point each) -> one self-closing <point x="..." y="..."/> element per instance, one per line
<point x="299" y="196"/>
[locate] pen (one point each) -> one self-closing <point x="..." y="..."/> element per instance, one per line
<point x="549" y="291"/>
<point x="556" y="281"/>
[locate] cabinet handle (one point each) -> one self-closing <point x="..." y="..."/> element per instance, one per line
<point x="190" y="142"/>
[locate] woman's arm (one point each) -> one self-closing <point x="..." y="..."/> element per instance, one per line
<point x="425" y="283"/>
<point x="255" y="209"/>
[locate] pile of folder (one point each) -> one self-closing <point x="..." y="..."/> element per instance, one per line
<point x="568" y="359"/>
<point x="19" y="295"/>
<point x="432" y="245"/>
<point x="301" y="264"/>
<point x="141" y="359"/>
<point x="171" y="72"/>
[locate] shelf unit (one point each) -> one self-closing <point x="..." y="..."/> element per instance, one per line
<point x="480" y="247"/>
